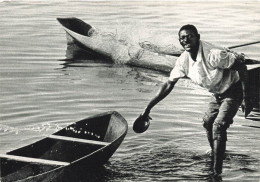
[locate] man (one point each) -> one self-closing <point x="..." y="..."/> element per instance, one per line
<point x="221" y="72"/>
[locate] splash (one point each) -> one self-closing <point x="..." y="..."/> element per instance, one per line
<point x="4" y="129"/>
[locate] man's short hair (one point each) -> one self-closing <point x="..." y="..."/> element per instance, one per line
<point x="189" y="27"/>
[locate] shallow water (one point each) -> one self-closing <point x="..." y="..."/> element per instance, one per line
<point x="41" y="91"/>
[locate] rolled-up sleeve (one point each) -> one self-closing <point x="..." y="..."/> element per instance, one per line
<point x="221" y="59"/>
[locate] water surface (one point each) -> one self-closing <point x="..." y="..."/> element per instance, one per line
<point x="42" y="91"/>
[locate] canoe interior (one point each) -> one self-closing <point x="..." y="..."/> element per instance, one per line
<point x="106" y="128"/>
<point x="76" y="25"/>
<point x="254" y="86"/>
<point x="52" y="149"/>
<point x="80" y="27"/>
<point x="12" y="170"/>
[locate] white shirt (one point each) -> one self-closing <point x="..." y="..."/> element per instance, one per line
<point x="210" y="70"/>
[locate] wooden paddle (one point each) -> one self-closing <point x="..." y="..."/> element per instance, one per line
<point x="231" y="47"/>
<point x="242" y="45"/>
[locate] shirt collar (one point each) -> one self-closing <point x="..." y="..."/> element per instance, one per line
<point x="199" y="55"/>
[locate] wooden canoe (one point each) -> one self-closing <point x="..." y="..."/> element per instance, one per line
<point x="81" y="145"/>
<point x="95" y="42"/>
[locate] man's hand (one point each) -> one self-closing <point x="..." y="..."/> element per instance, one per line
<point x="246" y="106"/>
<point x="145" y="115"/>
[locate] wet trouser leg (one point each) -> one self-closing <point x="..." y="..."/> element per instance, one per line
<point x="216" y="121"/>
<point x="210" y="138"/>
<point x="227" y="110"/>
<point x="209" y="119"/>
<point x="219" y="153"/>
<point x="219" y="147"/>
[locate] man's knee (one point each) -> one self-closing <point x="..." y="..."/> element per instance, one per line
<point x="208" y="121"/>
<point x="220" y="131"/>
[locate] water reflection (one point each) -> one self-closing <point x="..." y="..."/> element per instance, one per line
<point x="78" y="56"/>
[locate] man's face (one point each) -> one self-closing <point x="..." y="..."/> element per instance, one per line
<point x="189" y="40"/>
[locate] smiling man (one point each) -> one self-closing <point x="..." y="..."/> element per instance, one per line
<point x="219" y="70"/>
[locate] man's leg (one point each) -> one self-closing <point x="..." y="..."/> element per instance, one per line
<point x="219" y="148"/>
<point x="227" y="111"/>
<point x="209" y="118"/>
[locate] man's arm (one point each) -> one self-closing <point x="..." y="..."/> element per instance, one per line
<point x="227" y="59"/>
<point x="162" y="93"/>
<point x="241" y="68"/>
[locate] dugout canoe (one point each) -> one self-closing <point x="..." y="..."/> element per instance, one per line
<point x="106" y="44"/>
<point x="82" y="145"/>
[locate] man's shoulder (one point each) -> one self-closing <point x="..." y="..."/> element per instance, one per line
<point x="209" y="48"/>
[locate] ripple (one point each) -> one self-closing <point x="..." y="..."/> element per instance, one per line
<point x="42" y="92"/>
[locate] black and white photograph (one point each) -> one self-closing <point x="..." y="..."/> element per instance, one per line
<point x="129" y="91"/>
